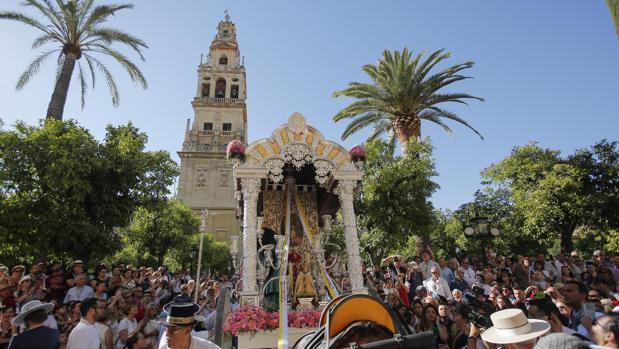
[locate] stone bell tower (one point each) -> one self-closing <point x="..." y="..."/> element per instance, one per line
<point x="220" y="116"/>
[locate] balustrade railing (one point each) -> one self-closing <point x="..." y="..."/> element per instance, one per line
<point x="214" y="100"/>
<point x="209" y="148"/>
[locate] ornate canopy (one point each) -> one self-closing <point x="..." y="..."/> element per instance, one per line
<point x="298" y="144"/>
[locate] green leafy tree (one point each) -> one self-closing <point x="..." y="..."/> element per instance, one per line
<point x="555" y="197"/>
<point x="63" y="193"/>
<point x="168" y="234"/>
<point x="162" y="228"/>
<point x="403" y="92"/>
<point x="76" y="30"/>
<point x="215" y="255"/>
<point x="395" y="201"/>
<point x="601" y="164"/>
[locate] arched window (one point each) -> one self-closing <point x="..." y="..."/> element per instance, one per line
<point x="220" y="88"/>
<point x="223" y="60"/>
<point x="234" y="91"/>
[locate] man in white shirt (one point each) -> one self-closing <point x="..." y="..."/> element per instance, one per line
<point x="84" y="335"/>
<point x="469" y="272"/>
<point x="80" y="291"/>
<point x="436" y="285"/>
<point x="179" y="323"/>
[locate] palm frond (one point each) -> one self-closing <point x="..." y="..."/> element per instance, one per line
<point x="32" y="69"/>
<point x="110" y="35"/>
<point x="361" y="122"/>
<point x="42" y="40"/>
<point x="452" y="116"/>
<point x="356" y="108"/>
<point x="83" y="84"/>
<point x="67" y="13"/>
<point x="51" y="13"/>
<point x="111" y="83"/>
<point x="380" y="128"/>
<point x="134" y="72"/>
<point x="84" y="8"/>
<point x="434" y="117"/>
<point x="16" y="16"/>
<point x="437" y="98"/>
<point x="100" y="14"/>
<point x="92" y="70"/>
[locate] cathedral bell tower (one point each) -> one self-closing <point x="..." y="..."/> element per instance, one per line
<point x="220" y="116"/>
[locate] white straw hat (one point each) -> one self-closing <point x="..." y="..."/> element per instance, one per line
<point x="29" y="308"/>
<point x="512" y="326"/>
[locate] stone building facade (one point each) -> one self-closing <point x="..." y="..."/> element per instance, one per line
<point x="220" y="116"/>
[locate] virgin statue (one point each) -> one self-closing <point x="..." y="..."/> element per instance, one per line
<point x="304" y="286"/>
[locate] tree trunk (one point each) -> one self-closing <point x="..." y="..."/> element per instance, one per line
<point x="55" y="109"/>
<point x="405" y="131"/>
<point x="567" y="245"/>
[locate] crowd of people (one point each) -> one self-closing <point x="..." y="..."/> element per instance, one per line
<point x="118" y="307"/>
<point x="465" y="301"/>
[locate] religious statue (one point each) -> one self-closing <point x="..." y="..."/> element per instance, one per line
<point x="304" y="286"/>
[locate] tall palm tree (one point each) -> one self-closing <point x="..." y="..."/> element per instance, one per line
<point x="76" y="30"/>
<point x="401" y="95"/>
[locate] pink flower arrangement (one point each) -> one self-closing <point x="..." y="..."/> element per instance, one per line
<point x="247" y="318"/>
<point x="304" y="318"/>
<point x="252" y="319"/>
<point x="235" y="149"/>
<point x="357" y="153"/>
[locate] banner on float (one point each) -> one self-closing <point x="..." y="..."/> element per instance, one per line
<point x="310" y="235"/>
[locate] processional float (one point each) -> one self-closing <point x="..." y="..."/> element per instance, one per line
<point x="290" y="187"/>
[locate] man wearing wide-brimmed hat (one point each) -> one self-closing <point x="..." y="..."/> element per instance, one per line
<point x="179" y="322"/>
<point x="33" y="315"/>
<point x="512" y="329"/>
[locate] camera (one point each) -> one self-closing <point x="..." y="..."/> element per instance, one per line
<point x="479" y="311"/>
<point x="478" y="291"/>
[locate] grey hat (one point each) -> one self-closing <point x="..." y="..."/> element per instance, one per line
<point x="560" y="341"/>
<point x="29" y="308"/>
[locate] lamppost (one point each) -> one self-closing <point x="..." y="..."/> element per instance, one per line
<point x="202" y="231"/>
<point x="479" y="228"/>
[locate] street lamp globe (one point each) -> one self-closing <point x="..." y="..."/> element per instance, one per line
<point x="469" y="231"/>
<point x="495" y="232"/>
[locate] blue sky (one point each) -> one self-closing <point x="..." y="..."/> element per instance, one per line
<point x="549" y="71"/>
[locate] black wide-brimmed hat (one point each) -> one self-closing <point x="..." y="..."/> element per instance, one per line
<point x="180" y="314"/>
